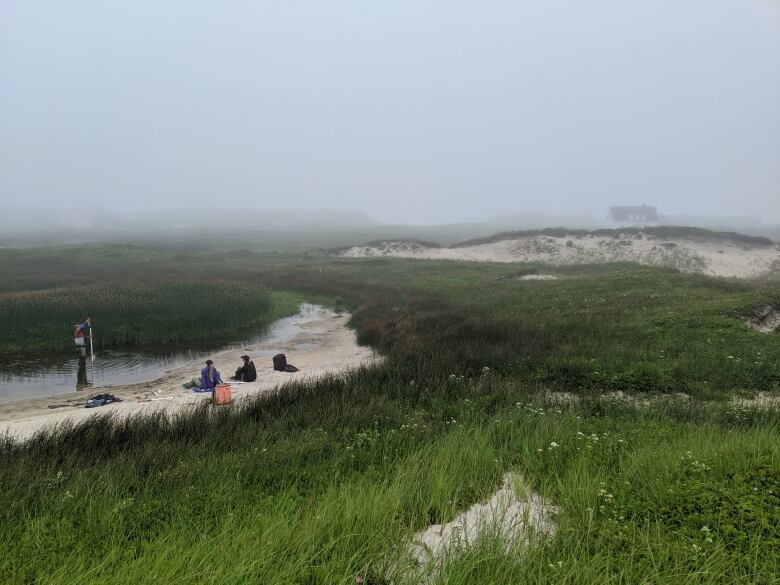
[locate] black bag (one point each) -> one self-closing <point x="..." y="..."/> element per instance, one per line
<point x="101" y="400"/>
<point x="280" y="362"/>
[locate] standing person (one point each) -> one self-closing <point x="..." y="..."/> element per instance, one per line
<point x="247" y="372"/>
<point x="81" y="333"/>
<point x="209" y="378"/>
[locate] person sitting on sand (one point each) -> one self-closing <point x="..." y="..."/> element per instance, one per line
<point x="247" y="372"/>
<point x="209" y="378"/>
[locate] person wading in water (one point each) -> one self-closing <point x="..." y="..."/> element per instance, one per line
<point x="81" y="333"/>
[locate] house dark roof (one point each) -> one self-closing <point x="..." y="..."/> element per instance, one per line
<point x="641" y="213"/>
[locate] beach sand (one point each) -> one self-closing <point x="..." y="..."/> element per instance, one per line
<point x="324" y="346"/>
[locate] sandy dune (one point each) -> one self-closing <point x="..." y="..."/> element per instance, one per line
<point x="333" y="350"/>
<point x="714" y="256"/>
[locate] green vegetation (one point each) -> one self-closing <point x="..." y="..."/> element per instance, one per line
<point x="598" y="328"/>
<point x="135" y="295"/>
<point x="327" y="483"/>
<point x="41" y="268"/>
<point x="148" y="314"/>
<point x="329" y="480"/>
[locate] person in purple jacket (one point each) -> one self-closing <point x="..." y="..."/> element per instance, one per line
<point x="209" y="378"/>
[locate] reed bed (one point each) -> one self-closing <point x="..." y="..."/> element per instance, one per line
<point x="151" y="314"/>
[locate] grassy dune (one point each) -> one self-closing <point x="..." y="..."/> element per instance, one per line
<point x="328" y="481"/>
<point x="665" y="231"/>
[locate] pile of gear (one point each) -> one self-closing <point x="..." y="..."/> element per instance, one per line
<point x="281" y="365"/>
<point x="101" y="400"/>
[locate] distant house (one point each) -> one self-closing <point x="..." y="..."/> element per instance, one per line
<point x="642" y="216"/>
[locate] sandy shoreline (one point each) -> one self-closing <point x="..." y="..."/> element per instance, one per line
<point x="334" y="351"/>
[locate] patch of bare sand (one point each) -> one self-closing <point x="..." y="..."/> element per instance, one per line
<point x="330" y="348"/>
<point x="513" y="519"/>
<point x="538" y="277"/>
<point x="712" y="256"/>
<point x="767" y="321"/>
<point x="762" y="400"/>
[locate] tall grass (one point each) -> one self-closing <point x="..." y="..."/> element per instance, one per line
<point x="330" y="481"/>
<point x="141" y="314"/>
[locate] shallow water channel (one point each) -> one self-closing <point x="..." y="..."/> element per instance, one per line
<point x="61" y="375"/>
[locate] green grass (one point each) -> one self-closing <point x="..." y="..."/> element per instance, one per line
<point x="329" y="480"/>
<point x="611" y="327"/>
<point x="328" y="483"/>
<point x="144" y="314"/>
<point x="93" y="265"/>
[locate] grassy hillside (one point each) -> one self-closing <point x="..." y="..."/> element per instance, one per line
<point x="328" y="481"/>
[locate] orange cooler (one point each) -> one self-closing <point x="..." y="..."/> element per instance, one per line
<point x="222" y="394"/>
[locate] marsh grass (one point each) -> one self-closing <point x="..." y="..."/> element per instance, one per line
<point x="147" y="315"/>
<point x="326" y="481"/>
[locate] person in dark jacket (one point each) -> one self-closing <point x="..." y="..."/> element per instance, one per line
<point x="247" y="372"/>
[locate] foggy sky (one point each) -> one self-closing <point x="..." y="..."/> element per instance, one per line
<point x="413" y="111"/>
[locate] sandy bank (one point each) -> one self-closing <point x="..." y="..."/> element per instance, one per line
<point x="329" y="347"/>
<point x="712" y="256"/>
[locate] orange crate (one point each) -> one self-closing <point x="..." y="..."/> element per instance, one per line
<point x="222" y="394"/>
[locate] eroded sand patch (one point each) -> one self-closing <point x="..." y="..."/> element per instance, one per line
<point x="512" y="518"/>
<point x="762" y="400"/>
<point x="767" y="321"/>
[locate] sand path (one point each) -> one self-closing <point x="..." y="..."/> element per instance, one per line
<point x="331" y="349"/>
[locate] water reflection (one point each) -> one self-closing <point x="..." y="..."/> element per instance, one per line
<point x="81" y="375"/>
